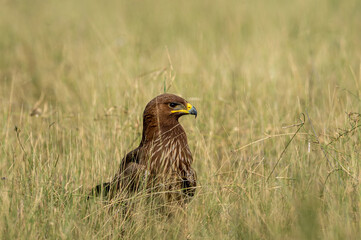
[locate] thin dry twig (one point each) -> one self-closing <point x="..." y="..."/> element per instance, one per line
<point x="328" y="175"/>
<point x="344" y="133"/>
<point x="17" y="130"/>
<point x="154" y="73"/>
<point x="265" y="138"/>
<point x="289" y="142"/>
<point x="314" y="132"/>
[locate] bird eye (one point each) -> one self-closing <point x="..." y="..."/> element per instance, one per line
<point x="173" y="105"/>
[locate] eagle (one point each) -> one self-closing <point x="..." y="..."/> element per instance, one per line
<point x="162" y="161"/>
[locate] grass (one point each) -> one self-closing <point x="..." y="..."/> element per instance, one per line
<point x="257" y="71"/>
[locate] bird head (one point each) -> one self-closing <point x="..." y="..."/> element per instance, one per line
<point x="169" y="107"/>
<point x="162" y="113"/>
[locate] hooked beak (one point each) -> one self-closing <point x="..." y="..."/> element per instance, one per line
<point x="190" y="110"/>
<point x="193" y="111"/>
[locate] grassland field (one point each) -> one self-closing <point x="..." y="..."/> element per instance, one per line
<point x="277" y="86"/>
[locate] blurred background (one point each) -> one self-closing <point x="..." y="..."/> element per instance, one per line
<point x="91" y="53"/>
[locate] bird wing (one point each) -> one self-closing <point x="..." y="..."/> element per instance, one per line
<point x="189" y="182"/>
<point x="129" y="175"/>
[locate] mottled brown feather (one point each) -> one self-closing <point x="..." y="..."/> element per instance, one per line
<point x="163" y="157"/>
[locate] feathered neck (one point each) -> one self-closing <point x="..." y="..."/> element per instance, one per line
<point x="155" y="128"/>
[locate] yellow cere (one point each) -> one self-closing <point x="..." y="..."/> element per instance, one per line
<point x="189" y="106"/>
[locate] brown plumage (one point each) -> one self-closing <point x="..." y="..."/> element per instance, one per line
<point x="162" y="161"/>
